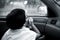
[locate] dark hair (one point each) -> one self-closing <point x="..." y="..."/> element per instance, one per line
<point x="16" y="19"/>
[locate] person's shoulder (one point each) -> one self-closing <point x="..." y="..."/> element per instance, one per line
<point x="8" y="31"/>
<point x="5" y="34"/>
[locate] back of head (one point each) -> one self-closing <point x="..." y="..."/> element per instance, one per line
<point x="16" y="19"/>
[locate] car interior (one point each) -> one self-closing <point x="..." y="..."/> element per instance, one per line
<point x="45" y="14"/>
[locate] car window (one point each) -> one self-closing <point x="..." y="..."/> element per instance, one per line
<point x="36" y="8"/>
<point x="32" y="7"/>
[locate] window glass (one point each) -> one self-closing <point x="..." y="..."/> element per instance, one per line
<point x="36" y="8"/>
<point x="32" y="7"/>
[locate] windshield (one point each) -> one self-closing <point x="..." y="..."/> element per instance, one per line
<point x="32" y="7"/>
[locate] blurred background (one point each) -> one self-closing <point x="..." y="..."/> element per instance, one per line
<point x="32" y="7"/>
